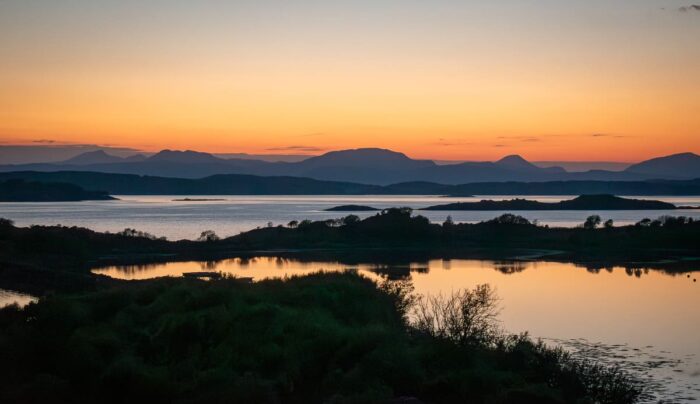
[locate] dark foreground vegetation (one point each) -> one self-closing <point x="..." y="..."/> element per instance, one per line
<point x="30" y="191"/>
<point x="39" y="259"/>
<point x="583" y="202"/>
<point x="335" y="338"/>
<point x="74" y="249"/>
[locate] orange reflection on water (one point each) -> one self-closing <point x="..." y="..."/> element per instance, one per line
<point x="548" y="299"/>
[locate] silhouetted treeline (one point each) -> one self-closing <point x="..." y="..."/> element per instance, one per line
<point x="322" y="338"/>
<point x="17" y="190"/>
<point x="75" y="248"/>
<point x="398" y="228"/>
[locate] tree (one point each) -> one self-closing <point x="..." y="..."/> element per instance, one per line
<point x="448" y="222"/>
<point x="208" y="236"/>
<point x="592" y="222"/>
<point x="350" y="220"/>
<point x="293" y="224"/>
<point x="608" y="224"/>
<point x="129" y="232"/>
<point x="403" y="211"/>
<point x="509" y="219"/>
<point x="333" y="222"/>
<point x="646" y="222"/>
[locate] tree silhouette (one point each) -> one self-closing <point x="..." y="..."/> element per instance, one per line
<point x="207" y="236"/>
<point x="592" y="222"/>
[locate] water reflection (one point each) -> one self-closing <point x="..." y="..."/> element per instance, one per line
<point x="636" y="307"/>
<point x="8" y="297"/>
<point x="509" y="267"/>
<point x="264" y="267"/>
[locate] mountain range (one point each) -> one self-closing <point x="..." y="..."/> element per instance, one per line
<point x="365" y="166"/>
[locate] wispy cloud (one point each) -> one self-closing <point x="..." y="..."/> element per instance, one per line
<point x="528" y="139"/>
<point x="609" y="135"/>
<point x="44" y="141"/>
<point x="451" y="142"/>
<point x="296" y="148"/>
<point x="692" y="7"/>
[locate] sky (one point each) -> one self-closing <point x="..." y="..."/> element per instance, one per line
<point x="443" y="79"/>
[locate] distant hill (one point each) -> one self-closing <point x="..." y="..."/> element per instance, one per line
<point x="372" y="166"/>
<point x="369" y="166"/>
<point x="515" y="162"/>
<point x="235" y="184"/>
<point x="683" y="165"/>
<point x="351" y="208"/>
<point x="583" y="202"/>
<point x="630" y="188"/>
<point x="128" y="184"/>
<point x="185" y="157"/>
<point x="16" y="190"/>
<point x="101" y="157"/>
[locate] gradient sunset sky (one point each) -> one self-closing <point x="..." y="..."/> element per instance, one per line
<point x="466" y="80"/>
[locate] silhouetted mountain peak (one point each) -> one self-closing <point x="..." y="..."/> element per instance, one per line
<point x="92" y="157"/>
<point x="187" y="156"/>
<point x="680" y="165"/>
<point x="366" y="157"/>
<point x="515" y="161"/>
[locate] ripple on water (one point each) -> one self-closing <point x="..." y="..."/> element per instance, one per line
<point x="663" y="377"/>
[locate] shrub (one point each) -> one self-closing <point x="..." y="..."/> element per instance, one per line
<point x="466" y="317"/>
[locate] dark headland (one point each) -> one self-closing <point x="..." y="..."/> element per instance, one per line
<point x="583" y="202"/>
<point x="235" y="184"/>
<point x="31" y="191"/>
<point x="351" y="208"/>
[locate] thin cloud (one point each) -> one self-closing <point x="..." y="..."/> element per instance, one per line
<point x="613" y="136"/>
<point x="527" y="139"/>
<point x="44" y="141"/>
<point x="297" y="148"/>
<point x="692" y="7"/>
<point x="451" y="142"/>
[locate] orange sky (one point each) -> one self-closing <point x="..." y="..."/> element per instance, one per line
<point x="593" y="80"/>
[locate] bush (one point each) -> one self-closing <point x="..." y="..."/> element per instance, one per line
<point x="208" y="236"/>
<point x="592" y="222"/>
<point x="321" y="338"/>
<point x="466" y="317"/>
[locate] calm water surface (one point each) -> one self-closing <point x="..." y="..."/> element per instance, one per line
<point x="162" y="216"/>
<point x="646" y="321"/>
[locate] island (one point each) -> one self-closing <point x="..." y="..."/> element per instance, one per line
<point x="351" y="208"/>
<point x="583" y="202"/>
<point x="198" y="199"/>
<point x="160" y="332"/>
<point x="31" y="191"/>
